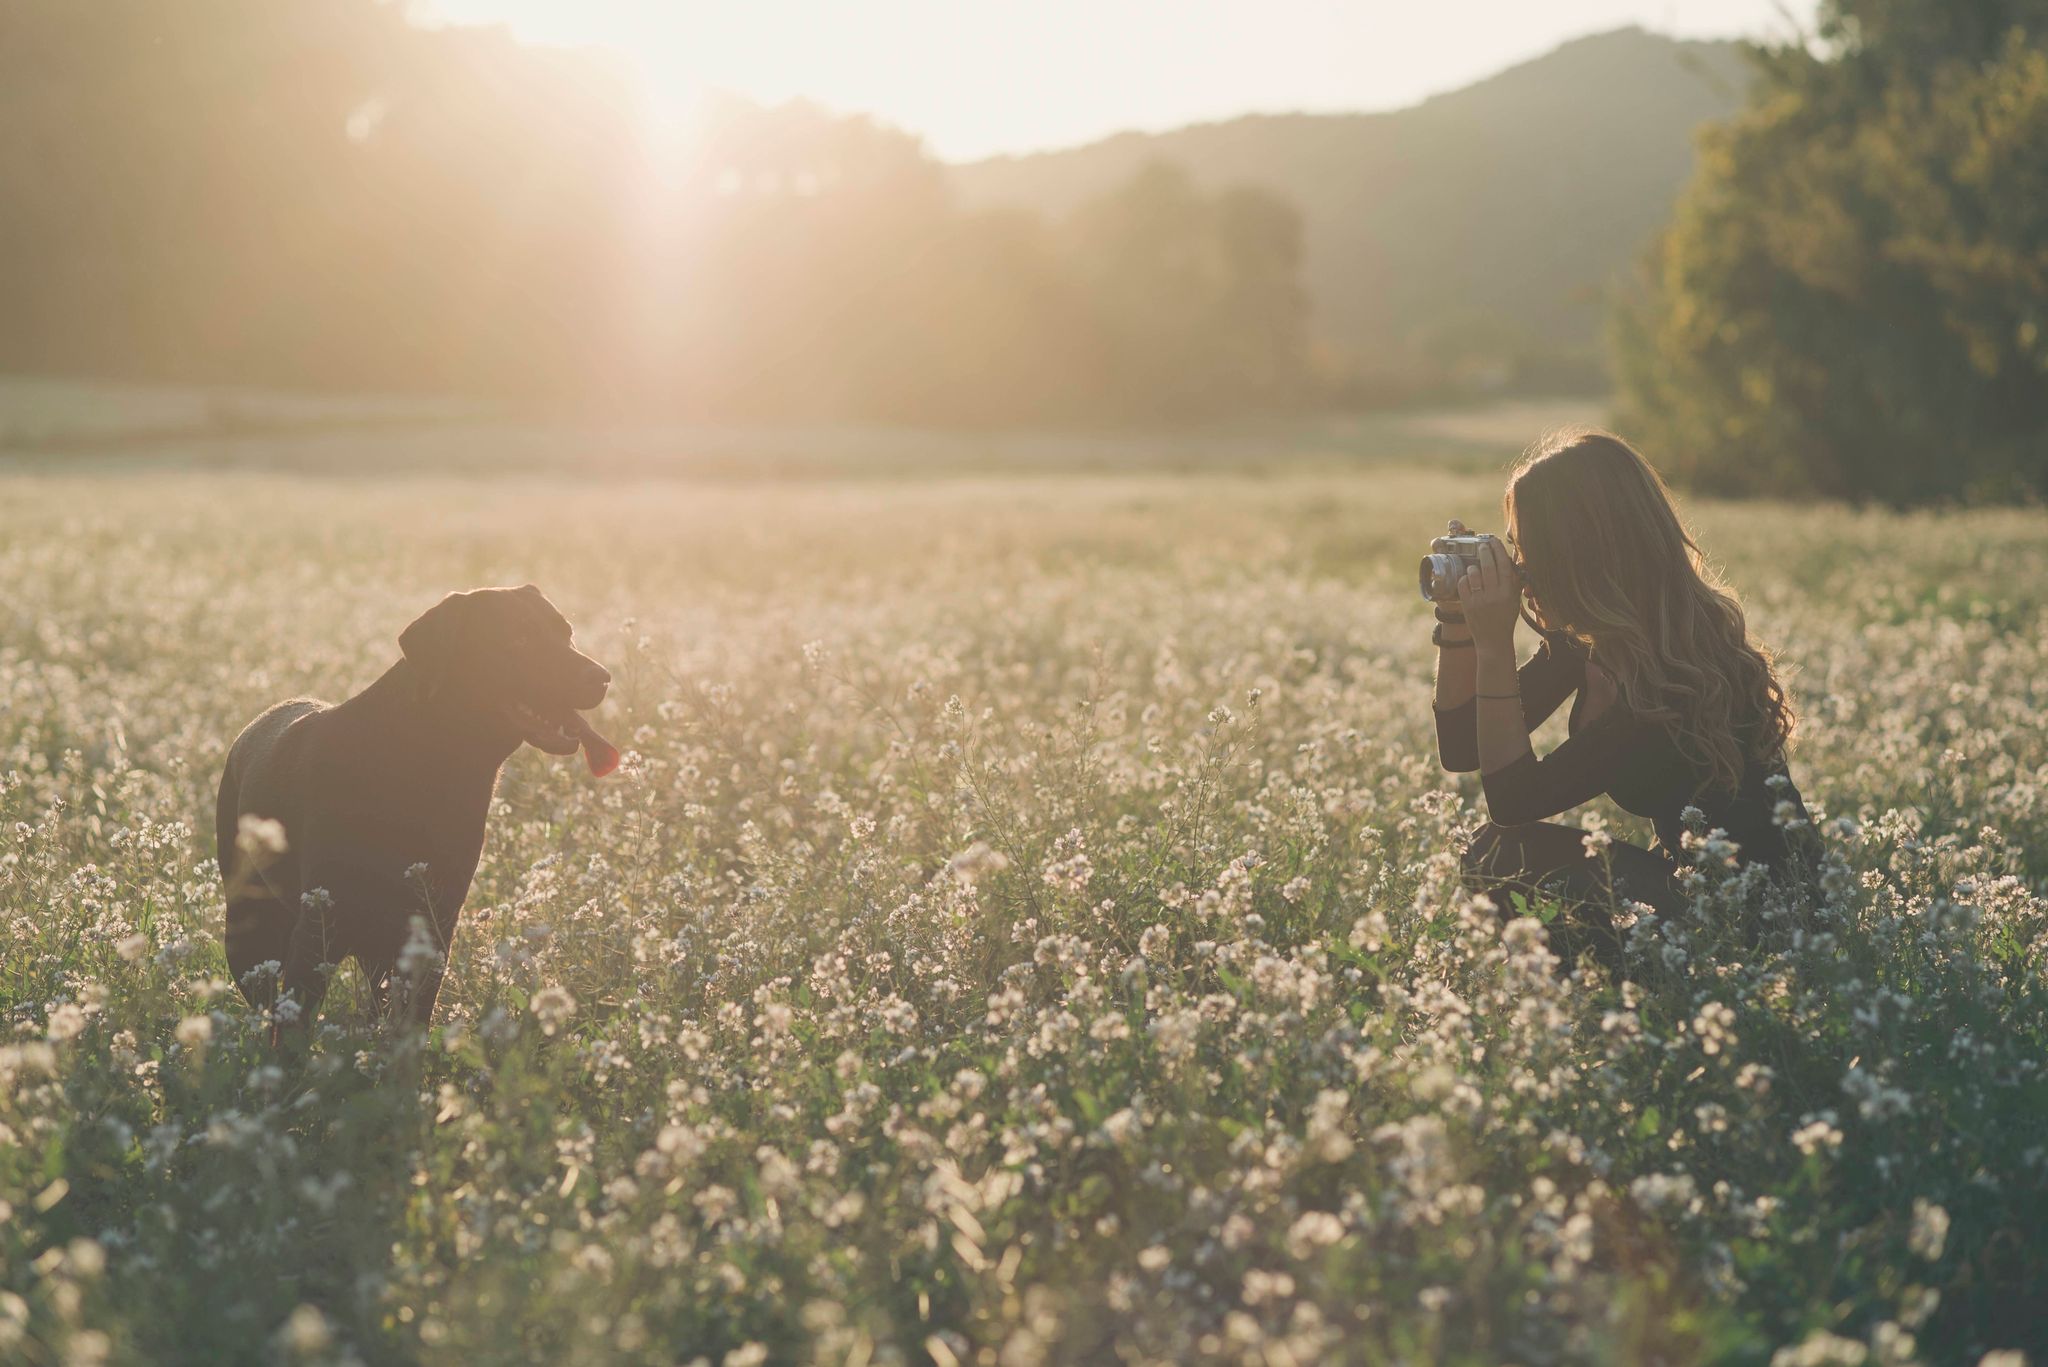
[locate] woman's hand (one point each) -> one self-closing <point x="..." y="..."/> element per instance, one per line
<point x="1491" y="596"/>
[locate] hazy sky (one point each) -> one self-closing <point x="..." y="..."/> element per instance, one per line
<point x="976" y="77"/>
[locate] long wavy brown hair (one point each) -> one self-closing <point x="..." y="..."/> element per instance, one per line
<point x="1607" y="560"/>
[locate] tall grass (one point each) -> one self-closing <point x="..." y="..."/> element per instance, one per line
<point x="1025" y="931"/>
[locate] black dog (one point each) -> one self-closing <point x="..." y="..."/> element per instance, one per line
<point x="383" y="798"/>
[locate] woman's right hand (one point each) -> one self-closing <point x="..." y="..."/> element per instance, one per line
<point x="1455" y="528"/>
<point x="1490" y="595"/>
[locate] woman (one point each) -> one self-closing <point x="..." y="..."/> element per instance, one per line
<point x="1675" y="706"/>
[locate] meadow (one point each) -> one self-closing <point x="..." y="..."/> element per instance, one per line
<point x="1025" y="930"/>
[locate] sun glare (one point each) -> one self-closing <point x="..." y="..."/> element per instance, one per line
<point x="672" y="94"/>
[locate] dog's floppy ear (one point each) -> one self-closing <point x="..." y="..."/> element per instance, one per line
<point x="433" y="643"/>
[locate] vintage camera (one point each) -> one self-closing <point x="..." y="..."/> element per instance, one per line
<point x="1448" y="559"/>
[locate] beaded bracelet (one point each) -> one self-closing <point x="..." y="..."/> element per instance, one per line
<point x="1437" y="639"/>
<point x="1449" y="614"/>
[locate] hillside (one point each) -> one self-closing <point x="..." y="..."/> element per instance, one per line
<point x="1479" y="226"/>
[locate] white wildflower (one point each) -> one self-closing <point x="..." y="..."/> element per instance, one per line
<point x="976" y="862"/>
<point x="305" y="1331"/>
<point x="1930" y="1229"/>
<point x="260" y="838"/>
<point x="67" y="1022"/>
<point x="1817" y="1134"/>
<point x="552" y="1006"/>
<point x="1314" y="1229"/>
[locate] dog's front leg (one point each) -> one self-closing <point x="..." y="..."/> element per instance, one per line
<point x="412" y="993"/>
<point x="404" y="986"/>
<point x="403" y="952"/>
<point x="352" y="910"/>
<point x="309" y="959"/>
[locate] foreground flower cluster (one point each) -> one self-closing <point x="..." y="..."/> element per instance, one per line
<point x="1025" y="931"/>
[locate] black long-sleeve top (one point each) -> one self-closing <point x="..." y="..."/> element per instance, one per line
<point x="1635" y="762"/>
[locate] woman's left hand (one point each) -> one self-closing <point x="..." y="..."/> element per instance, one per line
<point x="1491" y="594"/>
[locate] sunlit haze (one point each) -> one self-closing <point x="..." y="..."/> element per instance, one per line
<point x="984" y="78"/>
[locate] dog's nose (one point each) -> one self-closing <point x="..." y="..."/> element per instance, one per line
<point x="599" y="676"/>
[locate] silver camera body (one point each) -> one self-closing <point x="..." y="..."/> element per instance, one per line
<point x="1448" y="559"/>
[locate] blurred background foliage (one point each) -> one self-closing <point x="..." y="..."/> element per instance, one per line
<point x="1852" y="298"/>
<point x="1849" y="298"/>
<point x="326" y="194"/>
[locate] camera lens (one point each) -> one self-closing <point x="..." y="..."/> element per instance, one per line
<point x="1433" y="575"/>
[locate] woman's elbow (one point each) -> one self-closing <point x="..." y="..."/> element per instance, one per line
<point x="1457" y="754"/>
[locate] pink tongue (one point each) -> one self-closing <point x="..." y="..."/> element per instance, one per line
<point x="600" y="754"/>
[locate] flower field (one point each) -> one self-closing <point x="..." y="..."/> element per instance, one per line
<point x="1025" y="930"/>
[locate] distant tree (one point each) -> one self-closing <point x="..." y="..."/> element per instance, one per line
<point x="1261" y="313"/>
<point x="828" y="274"/>
<point x="1852" y="297"/>
<point x="798" y="244"/>
<point x="1199" y="297"/>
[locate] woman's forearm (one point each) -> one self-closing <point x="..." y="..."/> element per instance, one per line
<point x="1503" y="731"/>
<point x="1455" y="668"/>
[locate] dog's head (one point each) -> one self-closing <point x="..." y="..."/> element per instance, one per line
<point x="509" y="654"/>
